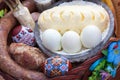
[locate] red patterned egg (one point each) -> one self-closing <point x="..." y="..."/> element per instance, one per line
<point x="56" y="66"/>
<point x="21" y="34"/>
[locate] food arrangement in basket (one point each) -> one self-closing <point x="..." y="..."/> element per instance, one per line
<point x="77" y="30"/>
<point x="61" y="40"/>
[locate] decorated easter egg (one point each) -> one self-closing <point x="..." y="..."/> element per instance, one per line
<point x="56" y="66"/>
<point x="51" y="39"/>
<point x="21" y="34"/>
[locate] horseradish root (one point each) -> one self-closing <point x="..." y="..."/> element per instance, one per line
<point x="6" y="63"/>
<point x="21" y="13"/>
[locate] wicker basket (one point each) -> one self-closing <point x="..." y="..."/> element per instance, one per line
<point x="81" y="70"/>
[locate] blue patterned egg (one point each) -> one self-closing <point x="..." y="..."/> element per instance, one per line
<point x="56" y="66"/>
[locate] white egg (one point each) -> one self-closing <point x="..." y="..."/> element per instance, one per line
<point x="91" y="36"/>
<point x="51" y="39"/>
<point x="71" y="42"/>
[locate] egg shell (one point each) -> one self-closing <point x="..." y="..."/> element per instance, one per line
<point x="57" y="66"/>
<point x="71" y="42"/>
<point x="21" y="34"/>
<point x="16" y="30"/>
<point x="91" y="36"/>
<point x="51" y="39"/>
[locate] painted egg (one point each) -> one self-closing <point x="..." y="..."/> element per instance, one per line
<point x="56" y="66"/>
<point x="21" y="34"/>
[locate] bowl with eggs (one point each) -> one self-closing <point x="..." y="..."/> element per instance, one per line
<point x="76" y="30"/>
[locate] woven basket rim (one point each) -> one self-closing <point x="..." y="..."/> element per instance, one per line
<point x="74" y="71"/>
